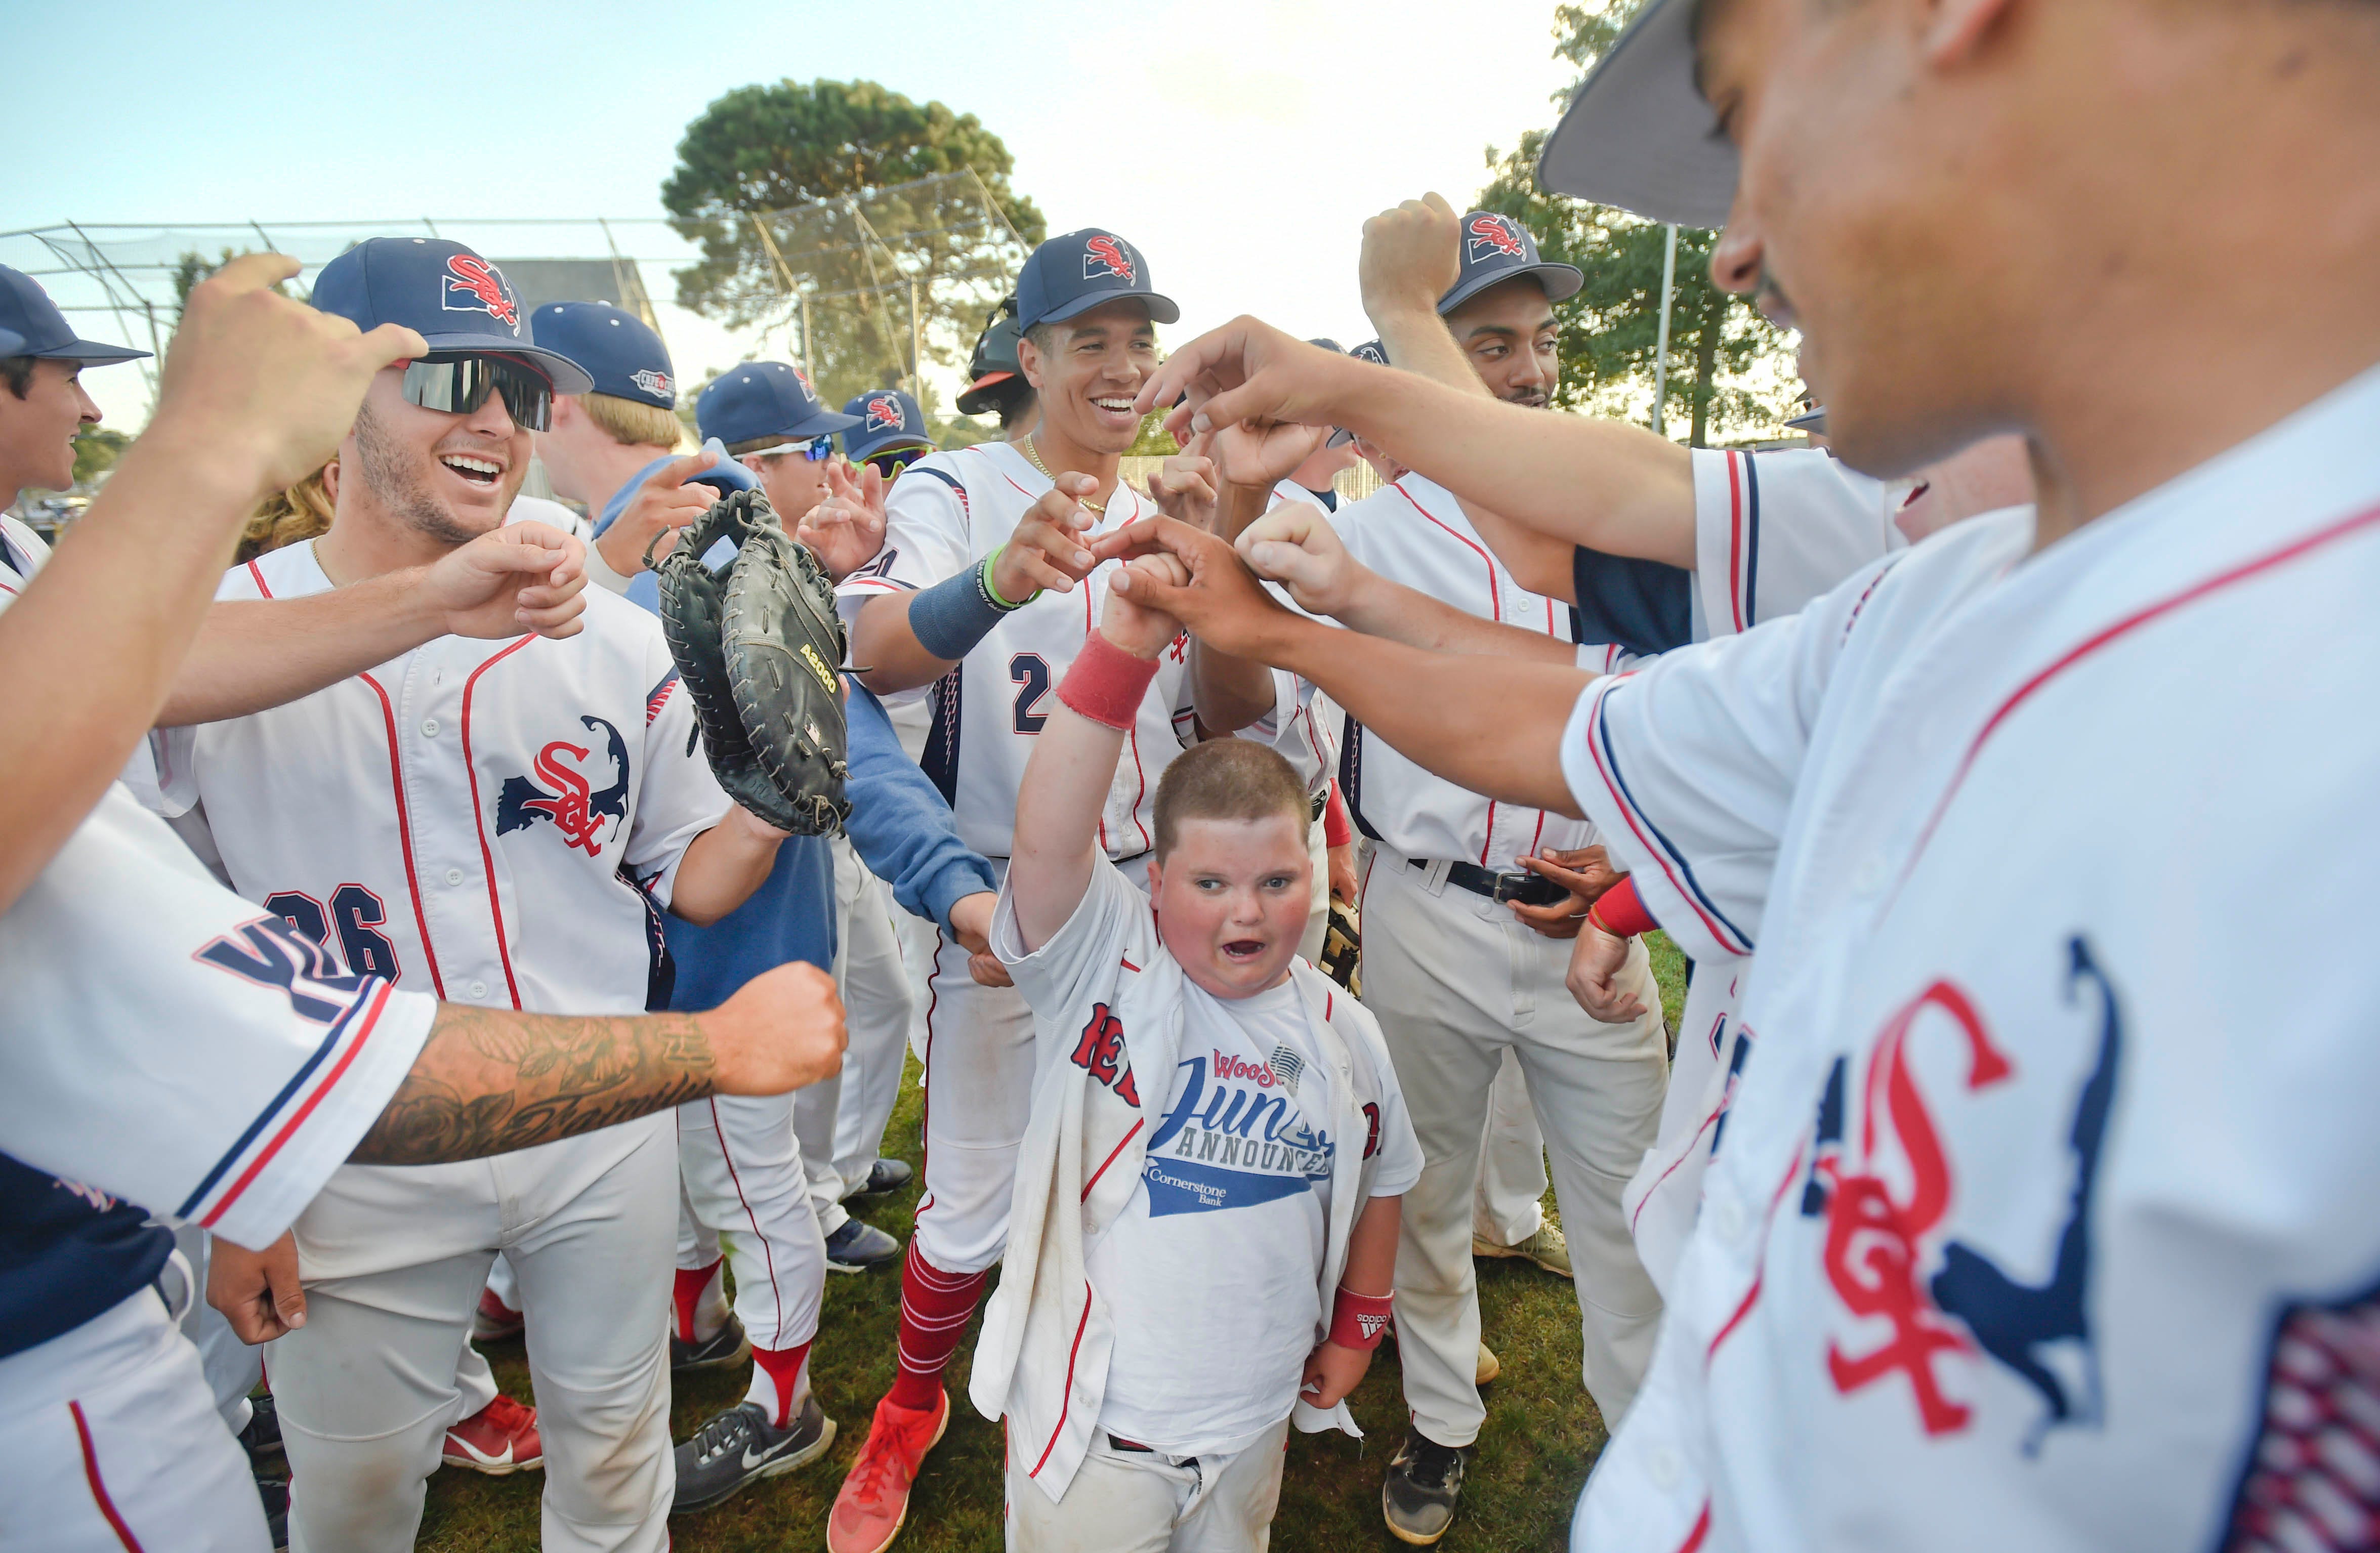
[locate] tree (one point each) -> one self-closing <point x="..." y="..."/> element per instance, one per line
<point x="96" y="450"/>
<point x="860" y="192"/>
<point x="1729" y="369"/>
<point x="194" y="267"/>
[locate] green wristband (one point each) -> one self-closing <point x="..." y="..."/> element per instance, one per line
<point x="993" y="593"/>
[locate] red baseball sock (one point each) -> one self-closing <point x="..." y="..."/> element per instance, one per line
<point x="687" y="1295"/>
<point x="935" y="1306"/>
<point x="776" y="1381"/>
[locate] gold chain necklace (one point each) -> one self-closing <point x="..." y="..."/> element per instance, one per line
<point x="1097" y="509"/>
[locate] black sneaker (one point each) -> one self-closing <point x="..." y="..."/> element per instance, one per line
<point x="1417" y="1497"/>
<point x="261" y="1439"/>
<point x="721" y="1349"/>
<point x="275" y="1492"/>
<point x="884" y="1176"/>
<point x="857" y="1247"/>
<point x="739" y="1448"/>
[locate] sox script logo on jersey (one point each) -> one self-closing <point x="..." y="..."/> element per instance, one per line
<point x="1973" y="1245"/>
<point x="438" y="818"/>
<point x="948" y="511"/>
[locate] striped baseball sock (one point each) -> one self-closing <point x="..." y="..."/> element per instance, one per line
<point x="700" y="1298"/>
<point x="935" y="1306"/>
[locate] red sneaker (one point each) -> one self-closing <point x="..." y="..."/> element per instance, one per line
<point x="875" y="1498"/>
<point x="496" y="1321"/>
<point x="499" y="1438"/>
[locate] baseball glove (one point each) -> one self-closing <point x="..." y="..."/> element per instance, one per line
<point x="776" y="738"/>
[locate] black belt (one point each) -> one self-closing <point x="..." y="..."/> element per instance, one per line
<point x="1520" y="886"/>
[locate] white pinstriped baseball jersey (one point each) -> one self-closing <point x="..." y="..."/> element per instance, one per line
<point x="466" y="819"/>
<point x="1772" y="532"/>
<point x="947" y="511"/>
<point x="170" y="1044"/>
<point x="1414" y="532"/>
<point x="2040" y="1219"/>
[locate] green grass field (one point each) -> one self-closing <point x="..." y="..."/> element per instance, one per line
<point x="1542" y="1432"/>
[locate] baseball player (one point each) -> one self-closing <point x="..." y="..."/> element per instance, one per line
<point x="1243" y="1218"/>
<point x="220" y="1066"/>
<point x="995" y="382"/>
<point x="889" y="434"/>
<point x="486" y="796"/>
<point x="973" y="536"/>
<point x="2015" y="1229"/>
<point x="1682" y="544"/>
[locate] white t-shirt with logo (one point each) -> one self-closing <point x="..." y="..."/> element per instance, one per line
<point x="1211" y="1269"/>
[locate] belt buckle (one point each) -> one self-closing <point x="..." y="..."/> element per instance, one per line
<point x="1509" y="887"/>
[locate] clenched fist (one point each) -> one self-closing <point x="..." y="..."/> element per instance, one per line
<point x="781" y="1031"/>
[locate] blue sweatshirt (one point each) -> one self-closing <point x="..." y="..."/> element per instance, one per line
<point x="899" y="824"/>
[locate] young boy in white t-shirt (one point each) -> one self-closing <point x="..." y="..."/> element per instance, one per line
<point x="1205" y="1226"/>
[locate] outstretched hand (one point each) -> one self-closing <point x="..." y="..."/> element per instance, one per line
<point x="1296" y="545"/>
<point x="1212" y="594"/>
<point x="1130" y="619"/>
<point x="255" y="372"/>
<point x="846" y="528"/>
<point x="1411" y="256"/>
<point x="1248" y="372"/>
<point x="666" y="501"/>
<point x="525" y="576"/>
<point x="1046" y="551"/>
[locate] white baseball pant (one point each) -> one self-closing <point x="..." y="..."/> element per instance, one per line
<point x="109" y="1439"/>
<point x="917" y="939"/>
<point x="746" y="1196"/>
<point x="1509" y="1206"/>
<point x="393" y="1261"/>
<point x="1137" y="1501"/>
<point x="878" y="1010"/>
<point x="231" y="1366"/>
<point x="1456" y="981"/>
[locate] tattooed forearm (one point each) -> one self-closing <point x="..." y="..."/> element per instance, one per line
<point x="490" y="1080"/>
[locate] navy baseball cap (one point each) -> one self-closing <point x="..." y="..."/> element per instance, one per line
<point x="764" y="399"/>
<point x="452" y="298"/>
<point x="1639" y="135"/>
<point x="11" y="343"/>
<point x="1080" y="271"/>
<point x="1495" y="249"/>
<point x="618" y="349"/>
<point x="887" y="418"/>
<point x="39" y="330"/>
<point x="1812" y="420"/>
<point x="994" y="361"/>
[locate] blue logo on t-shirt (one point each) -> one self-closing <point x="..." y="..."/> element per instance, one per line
<point x="1232" y="1138"/>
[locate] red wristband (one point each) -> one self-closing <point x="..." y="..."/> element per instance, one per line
<point x="1336" y="832"/>
<point x="1360" y="1320"/>
<point x="1106" y="684"/>
<point x="1620" y="911"/>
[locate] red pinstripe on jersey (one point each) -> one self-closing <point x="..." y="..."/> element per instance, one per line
<point x="404" y="829"/>
<point x="480" y="816"/>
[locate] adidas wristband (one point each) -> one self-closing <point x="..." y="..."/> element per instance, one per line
<point x="1359" y="1321"/>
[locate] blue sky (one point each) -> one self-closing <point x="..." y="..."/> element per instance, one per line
<point x="1239" y="144"/>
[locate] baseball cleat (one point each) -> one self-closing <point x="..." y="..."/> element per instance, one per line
<point x="884" y="1176"/>
<point x="499" y="1439"/>
<point x="857" y="1247"/>
<point x="1417" y="1497"/>
<point x="741" y="1447"/>
<point x="874" y="1500"/>
<point x="1546" y="1248"/>
<point x="722" y="1349"/>
<point x="494" y="1320"/>
<point x="1489" y="1367"/>
<point x="275" y="1492"/>
<point x="261" y="1439"/>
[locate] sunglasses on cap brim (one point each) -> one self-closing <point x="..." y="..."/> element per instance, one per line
<point x="460" y="384"/>
<point x="812" y="449"/>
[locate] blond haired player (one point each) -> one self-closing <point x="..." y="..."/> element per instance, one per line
<point x="1217" y="1149"/>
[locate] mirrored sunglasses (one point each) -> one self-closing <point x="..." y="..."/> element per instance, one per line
<point x="460" y="384"/>
<point x="891" y="461"/>
<point x="812" y="450"/>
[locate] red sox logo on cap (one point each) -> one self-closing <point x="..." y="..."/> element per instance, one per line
<point x="1497" y="234"/>
<point x="1105" y="255"/>
<point x="884" y="412"/>
<point x="482" y="284"/>
<point x="650" y="381"/>
<point x="809" y="390"/>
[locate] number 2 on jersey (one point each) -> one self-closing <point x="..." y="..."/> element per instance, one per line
<point x="356" y="910"/>
<point x="1030" y="672"/>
